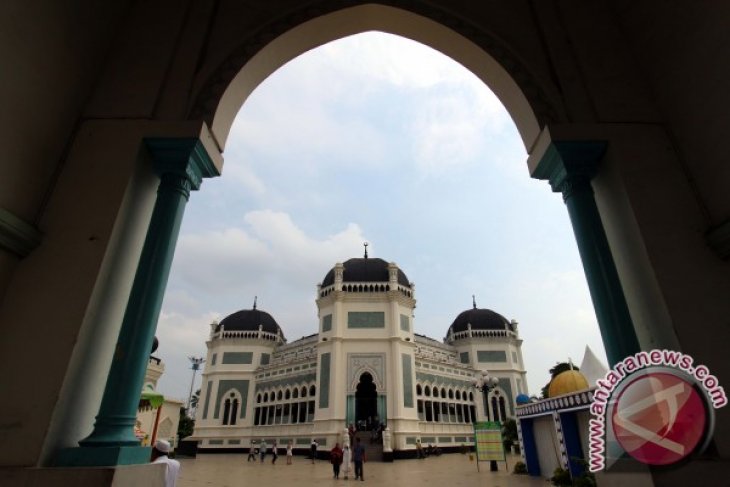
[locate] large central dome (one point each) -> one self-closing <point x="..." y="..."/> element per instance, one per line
<point x="365" y="270"/>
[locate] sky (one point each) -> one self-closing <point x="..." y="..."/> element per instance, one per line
<point x="375" y="138"/>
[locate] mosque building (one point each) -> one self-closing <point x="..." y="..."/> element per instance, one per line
<point x="365" y="366"/>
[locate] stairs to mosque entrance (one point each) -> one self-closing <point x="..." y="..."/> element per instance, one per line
<point x="373" y="451"/>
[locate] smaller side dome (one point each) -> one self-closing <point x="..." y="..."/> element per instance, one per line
<point x="522" y="399"/>
<point x="567" y="382"/>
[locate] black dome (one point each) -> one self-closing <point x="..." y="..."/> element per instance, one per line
<point x="480" y="319"/>
<point x="249" y="320"/>
<point x="365" y="270"/>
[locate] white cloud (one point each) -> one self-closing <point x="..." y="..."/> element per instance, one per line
<point x="392" y="59"/>
<point x="181" y="335"/>
<point x="376" y="101"/>
<point x="219" y="272"/>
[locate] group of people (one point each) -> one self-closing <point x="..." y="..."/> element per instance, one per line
<point x="373" y="425"/>
<point x="427" y="452"/>
<point x="341" y="458"/>
<point x="263" y="450"/>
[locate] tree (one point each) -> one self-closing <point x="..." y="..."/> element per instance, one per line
<point x="194" y="403"/>
<point x="557" y="369"/>
<point x="186" y="425"/>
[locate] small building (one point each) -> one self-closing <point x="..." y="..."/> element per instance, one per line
<point x="554" y="432"/>
<point x="168" y="416"/>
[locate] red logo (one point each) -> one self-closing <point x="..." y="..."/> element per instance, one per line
<point x="659" y="418"/>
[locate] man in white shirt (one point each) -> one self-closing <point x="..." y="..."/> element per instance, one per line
<point x="160" y="453"/>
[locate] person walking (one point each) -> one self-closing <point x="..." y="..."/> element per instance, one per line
<point x="289" y="453"/>
<point x="336" y="460"/>
<point x="251" y="451"/>
<point x="262" y="450"/>
<point x="358" y="456"/>
<point x="313" y="449"/>
<point x="346" y="460"/>
<point x="419" y="449"/>
<point x="160" y="454"/>
<point x="275" y="452"/>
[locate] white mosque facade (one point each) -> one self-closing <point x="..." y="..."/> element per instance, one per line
<point x="365" y="365"/>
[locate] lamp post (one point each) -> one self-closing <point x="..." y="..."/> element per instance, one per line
<point x="196" y="363"/>
<point x="485" y="383"/>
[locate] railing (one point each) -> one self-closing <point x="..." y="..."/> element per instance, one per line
<point x="249" y="335"/>
<point x="365" y="287"/>
<point x="481" y="334"/>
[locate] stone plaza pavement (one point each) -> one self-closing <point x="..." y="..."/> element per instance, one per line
<point x="452" y="470"/>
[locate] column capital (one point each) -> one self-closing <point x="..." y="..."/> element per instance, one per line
<point x="567" y="164"/>
<point x="182" y="156"/>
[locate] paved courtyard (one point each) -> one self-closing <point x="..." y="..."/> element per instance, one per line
<point x="453" y="470"/>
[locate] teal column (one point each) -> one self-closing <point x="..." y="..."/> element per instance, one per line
<point x="182" y="164"/>
<point x="569" y="167"/>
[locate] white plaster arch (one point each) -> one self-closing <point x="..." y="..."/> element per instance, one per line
<point x="377" y="380"/>
<point x="364" y="18"/>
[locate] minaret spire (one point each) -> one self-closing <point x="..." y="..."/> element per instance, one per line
<point x="255" y="298"/>
<point x="474" y="301"/>
<point x="366" y="249"/>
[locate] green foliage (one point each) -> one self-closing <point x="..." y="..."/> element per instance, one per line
<point x="520" y="468"/>
<point x="588" y="479"/>
<point x="554" y="372"/>
<point x="194" y="400"/>
<point x="509" y="430"/>
<point x="186" y="425"/>
<point x="561" y="478"/>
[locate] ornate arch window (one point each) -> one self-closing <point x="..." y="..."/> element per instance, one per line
<point x="295" y="393"/>
<point x="418" y="389"/>
<point x="230" y="408"/>
<point x="312" y="390"/>
<point x="287" y="394"/>
<point x="279" y="395"/>
<point x="451" y="393"/>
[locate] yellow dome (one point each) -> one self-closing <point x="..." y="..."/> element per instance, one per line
<point x="567" y="382"/>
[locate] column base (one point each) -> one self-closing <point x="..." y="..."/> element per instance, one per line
<point x="99" y="456"/>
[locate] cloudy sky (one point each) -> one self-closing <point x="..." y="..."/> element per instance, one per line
<point x="380" y="139"/>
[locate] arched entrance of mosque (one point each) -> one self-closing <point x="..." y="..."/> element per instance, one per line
<point x="366" y="401"/>
<point x="567" y="161"/>
<point x="569" y="165"/>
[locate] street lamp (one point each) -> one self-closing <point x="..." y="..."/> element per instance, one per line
<point x="196" y="362"/>
<point x="485" y="383"/>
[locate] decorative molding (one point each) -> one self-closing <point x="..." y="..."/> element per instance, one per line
<point x="568" y="165"/>
<point x="358" y="363"/>
<point x="206" y="102"/>
<point x="17" y="236"/>
<point x="184" y="156"/>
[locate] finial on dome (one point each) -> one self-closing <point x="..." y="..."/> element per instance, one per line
<point x="255" y="298"/>
<point x="366" y="249"/>
<point x="474" y="301"/>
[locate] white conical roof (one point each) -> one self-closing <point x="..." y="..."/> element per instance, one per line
<point x="591" y="367"/>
